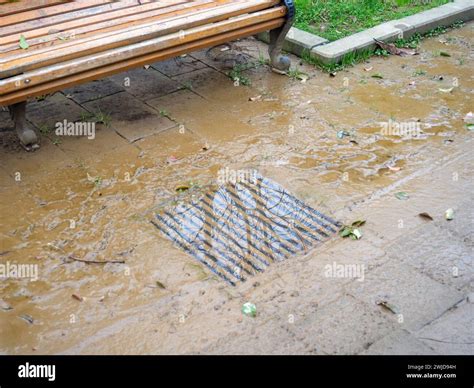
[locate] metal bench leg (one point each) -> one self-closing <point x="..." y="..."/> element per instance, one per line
<point x="281" y="63"/>
<point x="26" y="135"/>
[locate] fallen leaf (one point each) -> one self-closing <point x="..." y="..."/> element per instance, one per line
<point x="469" y="120"/>
<point x="388" y="306"/>
<point x="249" y="309"/>
<point x="303" y="77"/>
<point x="182" y="188"/>
<point x="342" y="134"/>
<point x="402" y="196"/>
<point x="425" y="216"/>
<point x="345" y="231"/>
<point x="449" y="90"/>
<point x="23" y="43"/>
<point x="377" y="75"/>
<point x="449" y="214"/>
<point x="444" y="54"/>
<point x="27" y="318"/>
<point x="78" y="297"/>
<point x="160" y="285"/>
<point x="394" y="50"/>
<point x="358" y="223"/>
<point x="356" y="234"/>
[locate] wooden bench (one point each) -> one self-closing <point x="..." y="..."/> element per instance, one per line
<point x="49" y="45"/>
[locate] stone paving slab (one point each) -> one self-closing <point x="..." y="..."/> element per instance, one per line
<point x="145" y="84"/>
<point x="56" y="108"/>
<point x="204" y="80"/>
<point x="452" y="333"/>
<point x="400" y="342"/>
<point x="347" y="326"/>
<point x="93" y="90"/>
<point x="130" y="117"/>
<point x="179" y="65"/>
<point x="200" y="116"/>
<point x="405" y="288"/>
<point x="426" y="251"/>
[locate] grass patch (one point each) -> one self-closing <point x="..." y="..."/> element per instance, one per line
<point x="98" y="117"/>
<point x="236" y="74"/>
<point x="335" y="19"/>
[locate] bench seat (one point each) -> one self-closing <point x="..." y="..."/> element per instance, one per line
<point x="50" y="45"/>
<point x="76" y="42"/>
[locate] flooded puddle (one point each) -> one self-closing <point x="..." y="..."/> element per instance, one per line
<point x="80" y="209"/>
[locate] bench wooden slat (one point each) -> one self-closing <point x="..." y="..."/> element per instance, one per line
<point x="77" y="49"/>
<point x="49" y="11"/>
<point x="95" y="29"/>
<point x="115" y="68"/>
<point x="10" y="8"/>
<point x="81" y="17"/>
<point x="47" y="74"/>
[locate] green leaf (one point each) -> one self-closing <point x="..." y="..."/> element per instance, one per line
<point x="23" y="43"/>
<point x="357" y="234"/>
<point x="444" y="54"/>
<point x="402" y="196"/>
<point x="470" y="127"/>
<point x="249" y="309"/>
<point x="449" y="214"/>
<point x="358" y="223"/>
<point x="377" y="75"/>
<point x="345" y="231"/>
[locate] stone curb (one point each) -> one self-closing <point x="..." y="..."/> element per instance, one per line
<point x="299" y="42"/>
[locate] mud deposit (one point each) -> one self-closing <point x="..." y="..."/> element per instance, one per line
<point x="79" y="210"/>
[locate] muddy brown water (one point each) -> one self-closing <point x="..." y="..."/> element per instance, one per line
<point x="84" y="200"/>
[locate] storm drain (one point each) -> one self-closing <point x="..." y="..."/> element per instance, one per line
<point x="237" y="230"/>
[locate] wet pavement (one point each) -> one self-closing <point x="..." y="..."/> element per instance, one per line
<point x="79" y="210"/>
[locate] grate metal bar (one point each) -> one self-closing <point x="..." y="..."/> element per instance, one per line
<point x="236" y="202"/>
<point x="237" y="230"/>
<point x="216" y="237"/>
<point x="192" y="252"/>
<point x="192" y="243"/>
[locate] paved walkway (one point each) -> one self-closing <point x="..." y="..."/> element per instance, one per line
<point x="182" y="121"/>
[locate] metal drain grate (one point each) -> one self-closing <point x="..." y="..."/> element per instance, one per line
<point x="239" y="229"/>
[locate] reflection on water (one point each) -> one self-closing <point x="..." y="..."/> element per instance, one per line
<point x="238" y="229"/>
